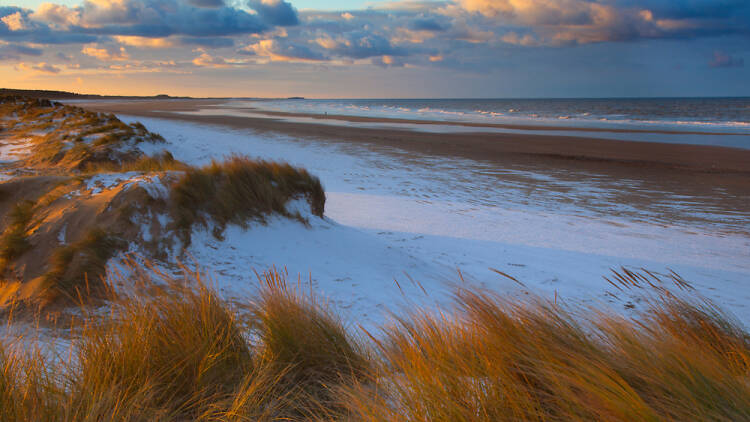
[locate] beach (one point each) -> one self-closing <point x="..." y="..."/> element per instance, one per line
<point x="557" y="213"/>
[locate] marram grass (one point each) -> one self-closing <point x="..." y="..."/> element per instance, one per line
<point x="170" y="349"/>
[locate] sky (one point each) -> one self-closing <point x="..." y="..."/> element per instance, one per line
<point x="370" y="49"/>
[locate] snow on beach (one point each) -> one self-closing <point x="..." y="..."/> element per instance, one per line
<point x="392" y="215"/>
<point x="14" y="150"/>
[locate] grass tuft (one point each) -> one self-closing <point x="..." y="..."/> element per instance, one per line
<point x="14" y="242"/>
<point x="238" y="190"/>
<point x="306" y="343"/>
<point x="76" y="270"/>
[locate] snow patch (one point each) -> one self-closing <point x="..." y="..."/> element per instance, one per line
<point x="14" y="151"/>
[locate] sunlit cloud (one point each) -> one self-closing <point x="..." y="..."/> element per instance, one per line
<point x="405" y="35"/>
<point x="145" y="42"/>
<point x="207" y="60"/>
<point x="39" y="67"/>
<point x="106" y="53"/>
<point x="57" y="14"/>
<point x="14" y="22"/>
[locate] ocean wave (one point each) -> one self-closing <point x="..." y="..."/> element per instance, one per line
<point x="492" y="111"/>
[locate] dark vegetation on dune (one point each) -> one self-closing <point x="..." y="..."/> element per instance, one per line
<point x="180" y="353"/>
<point x="69" y="145"/>
<point x="60" y="95"/>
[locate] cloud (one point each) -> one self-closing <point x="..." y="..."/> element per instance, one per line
<point x="207" y="3"/>
<point x="404" y="35"/>
<point x="388" y="61"/>
<point x="14" y="22"/>
<point x="39" y="67"/>
<point x="362" y="45"/>
<point x="106" y="53"/>
<point x="18" y="25"/>
<point x="15" y="51"/>
<point x="57" y="14"/>
<point x="278" y="51"/>
<point x="560" y="22"/>
<point x="63" y="57"/>
<point x="423" y="24"/>
<point x="208" y="42"/>
<point x="207" y="60"/>
<point x="275" y="12"/>
<point x="153" y="18"/>
<point x="721" y="59"/>
<point x="514" y="38"/>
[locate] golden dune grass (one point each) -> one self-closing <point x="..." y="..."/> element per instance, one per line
<point x="170" y="349"/>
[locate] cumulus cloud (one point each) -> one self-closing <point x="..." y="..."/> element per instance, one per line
<point x="57" y="14"/>
<point x="275" y="12"/>
<point x="152" y="18"/>
<point x="14" y="21"/>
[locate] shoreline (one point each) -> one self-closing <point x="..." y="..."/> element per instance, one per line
<point x="500" y="147"/>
